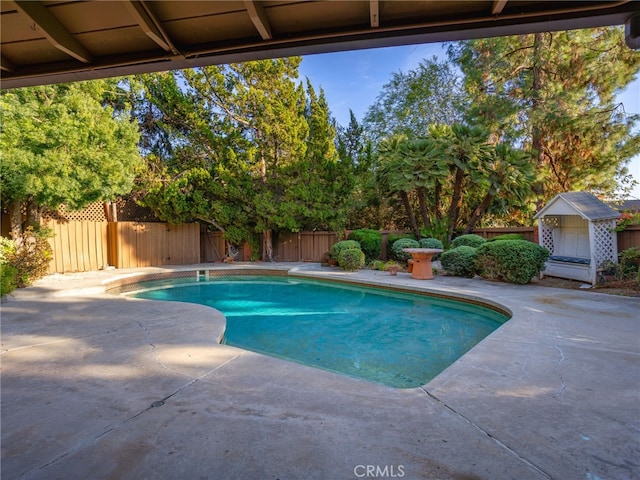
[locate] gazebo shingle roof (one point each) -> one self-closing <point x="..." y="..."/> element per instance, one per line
<point x="586" y="205"/>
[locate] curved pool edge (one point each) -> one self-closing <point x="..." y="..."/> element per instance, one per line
<point x="128" y="282"/>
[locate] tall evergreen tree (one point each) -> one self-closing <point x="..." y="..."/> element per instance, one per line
<point x="555" y="93"/>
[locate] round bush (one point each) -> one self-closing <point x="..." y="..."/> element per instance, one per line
<point x="430" y="243"/>
<point x="399" y="245"/>
<point x="460" y="261"/>
<point x="370" y="242"/>
<point x="470" y="240"/>
<point x="393" y="238"/>
<point x="343" y="245"/>
<point x="351" y="259"/>
<point x="507" y="236"/>
<point x="514" y="261"/>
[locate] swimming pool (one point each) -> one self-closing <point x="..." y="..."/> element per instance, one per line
<point x="398" y="339"/>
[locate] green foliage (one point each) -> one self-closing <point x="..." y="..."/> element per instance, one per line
<point x="8" y="279"/>
<point x="377" y="265"/>
<point x="430" y="243"/>
<point x="513" y="261"/>
<point x="351" y="259"/>
<point x="61" y="145"/>
<point x="555" y="93"/>
<point x="392" y="238"/>
<point x="411" y="101"/>
<point x="399" y="245"/>
<point x="507" y="236"/>
<point x="629" y="261"/>
<point x="8" y="273"/>
<point x="342" y="245"/>
<point x="370" y="242"/>
<point x="29" y="254"/>
<point x="470" y="240"/>
<point x="460" y="261"/>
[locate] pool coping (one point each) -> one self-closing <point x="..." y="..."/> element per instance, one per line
<point x="552" y="393"/>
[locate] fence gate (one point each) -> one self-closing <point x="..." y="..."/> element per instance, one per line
<point x="145" y="244"/>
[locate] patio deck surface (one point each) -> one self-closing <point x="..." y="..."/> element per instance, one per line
<point x="99" y="386"/>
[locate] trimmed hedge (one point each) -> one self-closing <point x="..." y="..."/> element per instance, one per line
<point x="393" y="238"/>
<point x="351" y="259"/>
<point x="430" y="243"/>
<point x="370" y="242"/>
<point x="400" y="244"/>
<point x="460" y="261"/>
<point x="507" y="236"/>
<point x="470" y="240"/>
<point x="514" y="261"/>
<point x="343" y="245"/>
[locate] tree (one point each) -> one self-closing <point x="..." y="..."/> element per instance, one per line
<point x="243" y="147"/>
<point x="411" y="101"/>
<point x="554" y="93"/>
<point x="61" y="145"/>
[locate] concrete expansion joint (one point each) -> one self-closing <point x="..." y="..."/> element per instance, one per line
<point x="487" y="434"/>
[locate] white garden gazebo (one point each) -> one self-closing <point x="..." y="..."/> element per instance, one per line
<point x="578" y="230"/>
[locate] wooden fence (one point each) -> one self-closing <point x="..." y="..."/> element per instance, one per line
<point x="78" y="246"/>
<point x="629" y="237"/>
<point x="90" y="245"/>
<point x="144" y="244"/>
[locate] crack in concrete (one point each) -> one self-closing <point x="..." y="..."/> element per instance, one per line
<point x="556" y="369"/>
<point x="116" y="425"/>
<point x="489" y="435"/>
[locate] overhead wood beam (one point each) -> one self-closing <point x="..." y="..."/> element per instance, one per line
<point x="6" y="65"/>
<point x="374" y="13"/>
<point x="498" y="6"/>
<point x="259" y="18"/>
<point x="53" y="30"/>
<point x="149" y="25"/>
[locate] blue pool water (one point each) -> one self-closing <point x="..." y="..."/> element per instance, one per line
<point x="398" y="339"/>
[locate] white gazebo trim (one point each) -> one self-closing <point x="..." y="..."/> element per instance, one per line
<point x="578" y="230"/>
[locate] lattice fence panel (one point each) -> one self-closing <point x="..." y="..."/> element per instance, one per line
<point x="94" y="212"/>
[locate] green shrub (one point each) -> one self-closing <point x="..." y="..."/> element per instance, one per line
<point x="392" y="238"/>
<point x="8" y="279"/>
<point x="430" y="243"/>
<point x="377" y="265"/>
<point x="469" y="240"/>
<point x="343" y="245"/>
<point x="507" y="236"/>
<point x="29" y="254"/>
<point x="399" y="245"/>
<point x="514" y="261"/>
<point x="351" y="258"/>
<point x="629" y="260"/>
<point x="460" y="261"/>
<point x="370" y="242"/>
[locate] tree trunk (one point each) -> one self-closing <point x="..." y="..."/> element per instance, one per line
<point x="267" y="246"/>
<point x="478" y="212"/>
<point x="537" y="138"/>
<point x="454" y="208"/>
<point x="34" y="214"/>
<point x="412" y="217"/>
<point x="423" y="207"/>
<point x="15" y="218"/>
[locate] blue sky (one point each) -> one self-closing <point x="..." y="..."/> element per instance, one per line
<point x="353" y="80"/>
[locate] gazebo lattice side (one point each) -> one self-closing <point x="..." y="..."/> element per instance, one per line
<point x="604" y="248"/>
<point x="546" y="232"/>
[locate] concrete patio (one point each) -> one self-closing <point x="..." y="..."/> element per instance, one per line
<point x="99" y="386"/>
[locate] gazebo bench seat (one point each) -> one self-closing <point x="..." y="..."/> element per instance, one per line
<point x="567" y="259"/>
